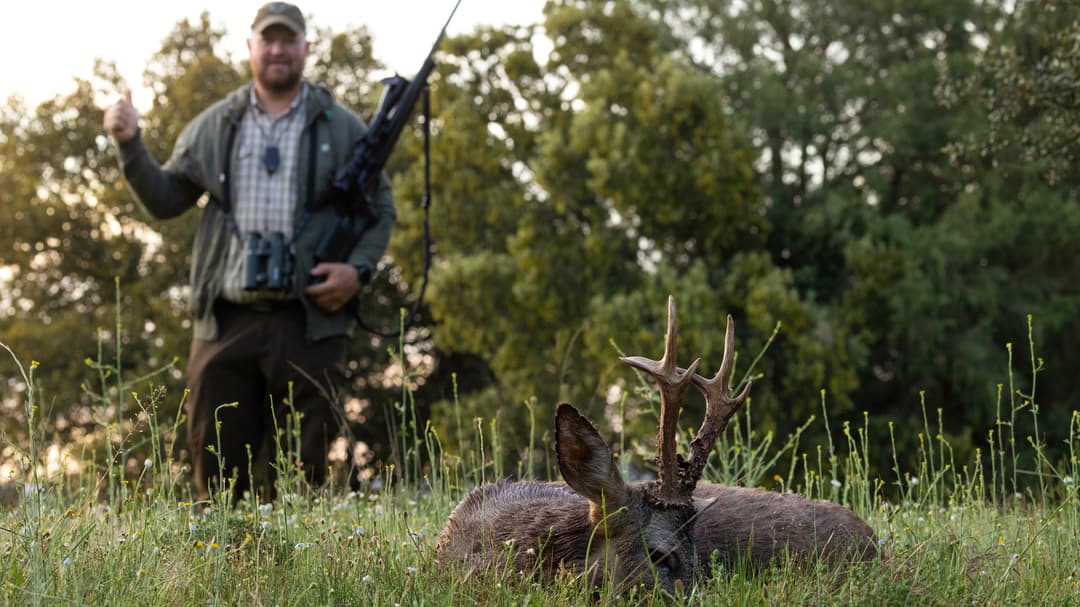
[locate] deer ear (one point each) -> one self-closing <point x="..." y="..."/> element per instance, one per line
<point x="585" y="460"/>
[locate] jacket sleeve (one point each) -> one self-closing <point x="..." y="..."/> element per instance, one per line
<point x="164" y="191"/>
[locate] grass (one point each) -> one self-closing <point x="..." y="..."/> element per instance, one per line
<point x="952" y="534"/>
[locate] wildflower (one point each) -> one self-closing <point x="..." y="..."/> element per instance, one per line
<point x="1001" y="541"/>
<point x="141" y="573"/>
<point x="302" y="546"/>
<point x="149" y="491"/>
<point x="148" y="463"/>
<point x="193" y="527"/>
<point x="836" y="483"/>
<point x="410" y="570"/>
<point x="265" y="526"/>
<point x="531" y="552"/>
<point x="367" y="579"/>
<point x="913" y="481"/>
<point x="1068" y="480"/>
<point x="66" y="562"/>
<point x="359" y="531"/>
<point x="1014" y="558"/>
<point x="267" y="507"/>
<point x="199" y="545"/>
<point x="212" y="547"/>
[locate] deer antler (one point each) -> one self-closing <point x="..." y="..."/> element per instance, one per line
<point x="672" y="382"/>
<point x="677" y="476"/>
<point x="719" y="406"/>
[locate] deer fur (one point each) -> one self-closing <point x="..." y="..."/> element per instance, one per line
<point x="756" y="527"/>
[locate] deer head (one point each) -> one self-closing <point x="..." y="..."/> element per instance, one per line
<point x="645" y="529"/>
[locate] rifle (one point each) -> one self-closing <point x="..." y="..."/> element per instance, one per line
<point x="370" y="152"/>
<point x="367" y="161"/>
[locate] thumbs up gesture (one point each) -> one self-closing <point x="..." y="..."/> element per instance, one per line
<point x="121" y="119"/>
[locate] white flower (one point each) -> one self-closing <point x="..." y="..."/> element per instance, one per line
<point x="265" y="526"/>
<point x="836" y="483"/>
<point x="267" y="507"/>
<point x="193" y="527"/>
<point x="1068" y="480"/>
<point x="359" y="530"/>
<point x="148" y="463"/>
<point x="367" y="579"/>
<point x="67" y="561"/>
<point x="410" y="570"/>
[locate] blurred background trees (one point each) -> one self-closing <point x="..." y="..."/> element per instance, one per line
<point x="895" y="189"/>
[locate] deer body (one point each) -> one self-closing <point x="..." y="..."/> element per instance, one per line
<point x="758" y="527"/>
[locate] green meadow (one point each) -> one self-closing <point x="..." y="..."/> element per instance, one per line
<point x="1001" y="529"/>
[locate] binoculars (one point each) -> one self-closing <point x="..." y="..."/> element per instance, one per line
<point x="268" y="263"/>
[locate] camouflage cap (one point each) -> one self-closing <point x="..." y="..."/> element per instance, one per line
<point x="278" y="13"/>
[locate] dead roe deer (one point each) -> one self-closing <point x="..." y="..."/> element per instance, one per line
<point x="598" y="526"/>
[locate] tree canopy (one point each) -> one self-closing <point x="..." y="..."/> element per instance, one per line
<point x="895" y="190"/>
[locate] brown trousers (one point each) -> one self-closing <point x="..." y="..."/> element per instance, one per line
<point x="258" y="354"/>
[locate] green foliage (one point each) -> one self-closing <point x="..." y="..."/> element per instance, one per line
<point x="892" y="189"/>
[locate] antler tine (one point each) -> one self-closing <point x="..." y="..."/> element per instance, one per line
<point x="672" y="382"/>
<point x="720" y="406"/>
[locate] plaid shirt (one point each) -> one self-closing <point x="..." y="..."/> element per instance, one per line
<point x="263" y="202"/>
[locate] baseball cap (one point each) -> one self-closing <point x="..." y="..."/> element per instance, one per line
<point x="279" y="13"/>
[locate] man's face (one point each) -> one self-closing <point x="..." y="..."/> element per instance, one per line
<point x="277" y="58"/>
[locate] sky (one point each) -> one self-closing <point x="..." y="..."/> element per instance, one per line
<point x="47" y="42"/>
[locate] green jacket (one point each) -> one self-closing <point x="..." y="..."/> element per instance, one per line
<point x="198" y="166"/>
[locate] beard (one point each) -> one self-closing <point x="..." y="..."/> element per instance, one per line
<point x="278" y="80"/>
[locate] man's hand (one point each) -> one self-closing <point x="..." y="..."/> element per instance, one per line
<point x="340" y="284"/>
<point x="121" y="119"/>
